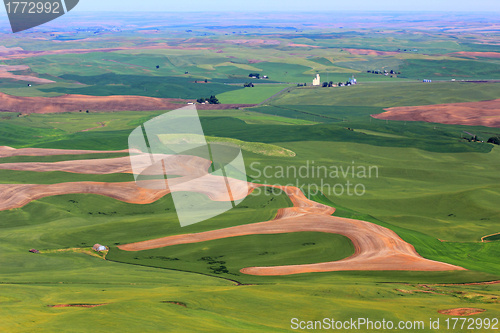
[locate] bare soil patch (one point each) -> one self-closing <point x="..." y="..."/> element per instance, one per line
<point x="461" y="311"/>
<point x="6" y="151"/>
<point x="77" y="103"/>
<point x="76" y="305"/>
<point x="5" y="73"/>
<point x="176" y="303"/>
<point x="476" y="54"/>
<point x="302" y="45"/>
<point x="193" y="172"/>
<point x="485" y="113"/>
<point x="253" y="41"/>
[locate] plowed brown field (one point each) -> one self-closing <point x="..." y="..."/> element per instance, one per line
<point x="376" y="247"/>
<point x="75" y="103"/>
<point x="485" y="113"/>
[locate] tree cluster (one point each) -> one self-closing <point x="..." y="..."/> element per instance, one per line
<point x="495" y="140"/>
<point x="473" y="139"/>
<point x="248" y="85"/>
<point x="211" y="100"/>
<point x="257" y="75"/>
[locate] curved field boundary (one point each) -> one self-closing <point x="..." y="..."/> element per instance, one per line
<point x="18" y="195"/>
<point x="174" y="165"/>
<point x="484" y="240"/>
<point x="376" y="247"/>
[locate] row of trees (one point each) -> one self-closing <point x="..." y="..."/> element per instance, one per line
<point x="211" y="100"/>
<point x="340" y="84"/>
<point x="392" y="72"/>
<point x="494" y="139"/>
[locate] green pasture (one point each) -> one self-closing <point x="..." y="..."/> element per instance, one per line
<point x="253" y="147"/>
<point x="430" y="185"/>
<point x="137" y="294"/>
<point x="450" y="196"/>
<point x="54" y="177"/>
<point x="251" y="117"/>
<point x="379" y="63"/>
<point x="250" y="95"/>
<point x="59" y="158"/>
<point x="391" y="94"/>
<point x="445" y="69"/>
<point x="162" y="87"/>
<point x="82" y="220"/>
<point x="473" y="255"/>
<point x="213" y="257"/>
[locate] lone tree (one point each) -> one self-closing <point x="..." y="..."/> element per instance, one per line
<point x="157" y="66"/>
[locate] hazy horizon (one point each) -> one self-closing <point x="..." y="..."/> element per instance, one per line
<point x="294" y="5"/>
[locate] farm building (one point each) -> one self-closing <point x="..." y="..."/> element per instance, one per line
<point x="317" y="80"/>
<point x="99" y="247"/>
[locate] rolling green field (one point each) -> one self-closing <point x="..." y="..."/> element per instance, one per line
<point x="257" y="94"/>
<point x="435" y="189"/>
<point x="391" y="94"/>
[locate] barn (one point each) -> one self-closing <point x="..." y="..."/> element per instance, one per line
<point x="99" y="247"/>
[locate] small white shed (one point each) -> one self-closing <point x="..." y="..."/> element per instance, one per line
<point x="99" y="247"/>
